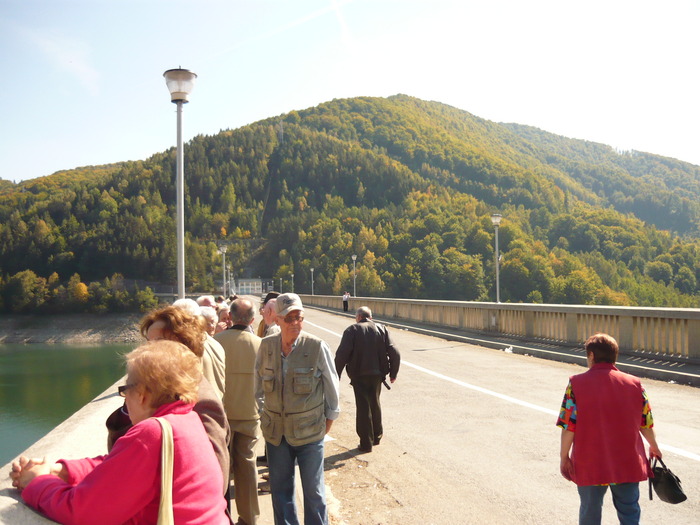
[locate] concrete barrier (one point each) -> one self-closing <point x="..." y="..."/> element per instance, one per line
<point x="672" y="333"/>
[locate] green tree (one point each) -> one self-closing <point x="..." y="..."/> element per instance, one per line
<point x="659" y="271"/>
<point x="685" y="280"/>
<point x="24" y="292"/>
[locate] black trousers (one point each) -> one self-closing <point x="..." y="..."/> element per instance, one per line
<point x="368" y="418"/>
<point x="345" y="306"/>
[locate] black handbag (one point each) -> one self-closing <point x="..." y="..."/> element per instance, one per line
<point x="666" y="484"/>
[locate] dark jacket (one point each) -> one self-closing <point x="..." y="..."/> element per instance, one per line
<point x="366" y="349"/>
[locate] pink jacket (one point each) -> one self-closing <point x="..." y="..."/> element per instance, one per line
<point x="124" y="486"/>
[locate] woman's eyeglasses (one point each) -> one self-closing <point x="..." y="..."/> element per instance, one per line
<point x="123" y="388"/>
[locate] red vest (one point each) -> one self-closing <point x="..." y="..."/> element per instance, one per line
<point x="608" y="447"/>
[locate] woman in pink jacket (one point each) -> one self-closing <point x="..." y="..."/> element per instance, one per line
<point x="124" y="485"/>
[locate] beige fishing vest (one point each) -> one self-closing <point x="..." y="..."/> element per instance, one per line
<point x="293" y="407"/>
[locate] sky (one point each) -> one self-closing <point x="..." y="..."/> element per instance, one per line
<point x="84" y="78"/>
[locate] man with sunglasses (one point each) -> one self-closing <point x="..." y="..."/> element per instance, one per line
<point x="297" y="389"/>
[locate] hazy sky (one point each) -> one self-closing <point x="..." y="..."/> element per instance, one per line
<point x="83" y="78"/>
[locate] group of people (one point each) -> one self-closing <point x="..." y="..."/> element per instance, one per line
<point x="219" y="389"/>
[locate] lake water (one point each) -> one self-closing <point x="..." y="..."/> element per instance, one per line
<point x="41" y="385"/>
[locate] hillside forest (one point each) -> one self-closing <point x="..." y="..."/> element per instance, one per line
<point x="407" y="185"/>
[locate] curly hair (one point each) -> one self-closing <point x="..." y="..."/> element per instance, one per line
<point x="180" y="326"/>
<point x="167" y="369"/>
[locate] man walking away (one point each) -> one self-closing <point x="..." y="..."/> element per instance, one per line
<point x="241" y="348"/>
<point x="369" y="355"/>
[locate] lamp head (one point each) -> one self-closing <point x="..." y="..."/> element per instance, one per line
<point x="496" y="219"/>
<point x="180" y="83"/>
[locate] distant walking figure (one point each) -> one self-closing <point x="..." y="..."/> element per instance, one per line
<point x="602" y="415"/>
<point x="346" y="299"/>
<point x="369" y="355"/>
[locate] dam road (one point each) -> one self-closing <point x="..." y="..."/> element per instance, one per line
<point x="469" y="439"/>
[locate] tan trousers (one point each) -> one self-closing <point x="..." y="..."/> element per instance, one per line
<point x="244" y="438"/>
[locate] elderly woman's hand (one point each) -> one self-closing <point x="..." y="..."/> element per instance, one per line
<point x="24" y="470"/>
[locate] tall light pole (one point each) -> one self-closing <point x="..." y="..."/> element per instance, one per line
<point x="180" y="83"/>
<point x="312" y="281"/>
<point x="292" y="283"/>
<point x="354" y="277"/>
<point x="222" y="251"/>
<point x="496" y="220"/>
<point x="280" y="285"/>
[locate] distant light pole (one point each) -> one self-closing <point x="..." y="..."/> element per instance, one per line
<point x="312" y="281"/>
<point x="354" y="277"/>
<point x="180" y="83"/>
<point x="222" y="251"/>
<point x="496" y="220"/>
<point x="280" y="285"/>
<point x="292" y="283"/>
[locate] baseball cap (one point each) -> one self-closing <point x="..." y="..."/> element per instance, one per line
<point x="288" y="302"/>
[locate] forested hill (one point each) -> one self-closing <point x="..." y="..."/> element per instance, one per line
<point x="407" y="185"/>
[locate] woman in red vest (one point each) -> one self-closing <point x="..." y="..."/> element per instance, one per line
<point x="604" y="414"/>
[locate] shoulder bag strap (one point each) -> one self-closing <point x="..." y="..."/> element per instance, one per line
<point x="165" y="511"/>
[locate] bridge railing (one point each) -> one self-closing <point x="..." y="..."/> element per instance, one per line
<point x="668" y="332"/>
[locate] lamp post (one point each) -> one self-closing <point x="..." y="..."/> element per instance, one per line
<point x="354" y="277"/>
<point x="292" y="283"/>
<point x="222" y="251"/>
<point x="180" y="83"/>
<point x="312" y="281"/>
<point x="280" y="285"/>
<point x="496" y="220"/>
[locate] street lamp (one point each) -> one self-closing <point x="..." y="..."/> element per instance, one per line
<point x="354" y="277"/>
<point x="222" y="251"/>
<point x="292" y="283"/>
<point x="180" y="83"/>
<point x="496" y="220"/>
<point x="312" y="281"/>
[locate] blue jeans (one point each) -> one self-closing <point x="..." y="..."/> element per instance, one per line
<point x="625" y="498"/>
<point x="280" y="460"/>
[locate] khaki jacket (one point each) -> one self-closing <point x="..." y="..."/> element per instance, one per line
<point x="293" y="404"/>
<point x="214" y="365"/>
<point x="241" y="349"/>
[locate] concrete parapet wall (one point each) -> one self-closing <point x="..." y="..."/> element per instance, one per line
<point x="671" y="332"/>
<point x="82" y="435"/>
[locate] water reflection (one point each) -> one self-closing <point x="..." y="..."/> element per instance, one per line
<point x="41" y="385"/>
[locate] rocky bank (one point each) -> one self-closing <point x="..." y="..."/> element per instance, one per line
<point x="71" y="329"/>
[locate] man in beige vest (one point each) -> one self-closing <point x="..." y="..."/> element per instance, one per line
<point x="241" y="347"/>
<point x="297" y="389"/>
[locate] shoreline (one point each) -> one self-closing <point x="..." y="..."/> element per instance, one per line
<point x="71" y="328"/>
